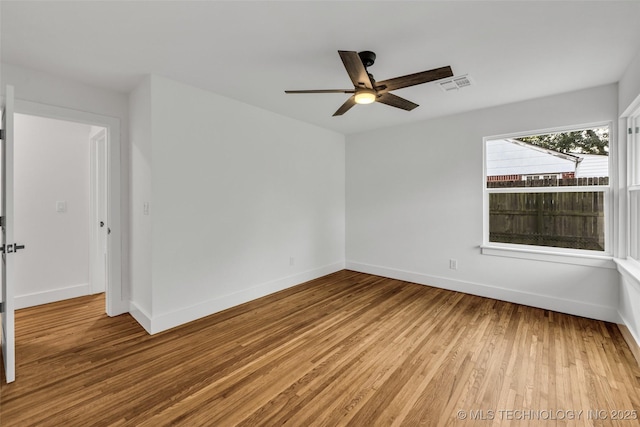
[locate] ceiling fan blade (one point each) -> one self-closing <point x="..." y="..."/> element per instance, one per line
<point x="321" y="91"/>
<point x="355" y="68"/>
<point x="414" y="79"/>
<point x="346" y="106"/>
<point x="396" y="101"/>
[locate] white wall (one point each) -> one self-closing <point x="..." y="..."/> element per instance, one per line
<point x="236" y="191"/>
<point x="51" y="164"/>
<point x="140" y="250"/>
<point x="630" y="301"/>
<point x="414" y="201"/>
<point x="44" y="88"/>
<point x="629" y="85"/>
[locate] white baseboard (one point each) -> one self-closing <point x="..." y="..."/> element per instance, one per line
<point x="162" y="322"/>
<point x="141" y="316"/>
<point x="39" y="298"/>
<point x="547" y="302"/>
<point x="631" y="341"/>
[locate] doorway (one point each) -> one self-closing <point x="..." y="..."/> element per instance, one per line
<point x="104" y="216"/>
<point x="60" y="208"/>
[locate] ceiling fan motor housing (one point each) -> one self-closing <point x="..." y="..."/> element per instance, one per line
<point x="367" y="57"/>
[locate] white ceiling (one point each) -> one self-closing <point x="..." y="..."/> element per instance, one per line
<point x="253" y="51"/>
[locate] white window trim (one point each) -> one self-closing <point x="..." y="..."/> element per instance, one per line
<point x="631" y="266"/>
<point x="548" y="253"/>
<point x="633" y="146"/>
<point x="542" y="253"/>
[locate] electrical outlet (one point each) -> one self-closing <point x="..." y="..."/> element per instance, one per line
<point x="453" y="264"/>
<point x="145" y="208"/>
<point x="292" y="261"/>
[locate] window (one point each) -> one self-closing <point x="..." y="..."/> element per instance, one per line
<point x="633" y="147"/>
<point x="548" y="190"/>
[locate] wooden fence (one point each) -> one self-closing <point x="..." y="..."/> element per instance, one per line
<point x="566" y="220"/>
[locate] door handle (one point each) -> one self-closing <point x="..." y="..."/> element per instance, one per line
<point x="9" y="249"/>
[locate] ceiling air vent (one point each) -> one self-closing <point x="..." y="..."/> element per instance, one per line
<point x="455" y="83"/>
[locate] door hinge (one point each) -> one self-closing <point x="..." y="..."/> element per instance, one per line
<point x="2" y="134"/>
<point x="637" y="129"/>
<point x="1" y="221"/>
<point x="629" y="131"/>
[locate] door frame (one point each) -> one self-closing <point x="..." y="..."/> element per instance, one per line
<point x="115" y="298"/>
<point x="99" y="217"/>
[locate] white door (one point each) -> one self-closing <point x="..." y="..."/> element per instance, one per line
<point x="8" y="244"/>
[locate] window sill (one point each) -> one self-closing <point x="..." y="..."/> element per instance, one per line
<point x="629" y="267"/>
<point x="600" y="261"/>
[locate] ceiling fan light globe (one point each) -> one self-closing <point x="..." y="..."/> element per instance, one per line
<point x="365" y="97"/>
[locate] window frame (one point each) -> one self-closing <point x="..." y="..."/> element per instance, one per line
<point x="550" y="253"/>
<point x="633" y="187"/>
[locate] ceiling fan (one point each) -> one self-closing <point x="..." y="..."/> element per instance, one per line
<point x="366" y="90"/>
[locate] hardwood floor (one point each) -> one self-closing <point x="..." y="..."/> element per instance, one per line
<point x="346" y="349"/>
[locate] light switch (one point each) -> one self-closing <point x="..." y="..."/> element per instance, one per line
<point x="145" y="208"/>
<point x="61" y="206"/>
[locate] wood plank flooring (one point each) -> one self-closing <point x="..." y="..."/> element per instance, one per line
<point x="346" y="349"/>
